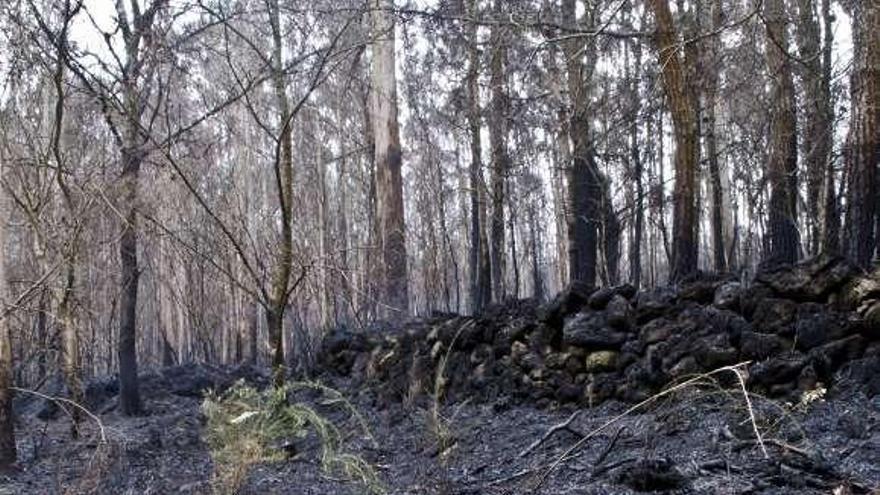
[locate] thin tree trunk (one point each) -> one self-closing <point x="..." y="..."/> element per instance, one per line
<point x="635" y="159"/>
<point x="284" y="184"/>
<point x="72" y="365"/>
<point x="610" y="235"/>
<point x="7" y="423"/>
<point x="511" y="225"/>
<point x="717" y="211"/>
<point x="537" y="278"/>
<point x="254" y="328"/>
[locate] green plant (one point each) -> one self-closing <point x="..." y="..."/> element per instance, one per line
<point x="246" y="426"/>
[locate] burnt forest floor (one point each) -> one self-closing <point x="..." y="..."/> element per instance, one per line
<point x="697" y="440"/>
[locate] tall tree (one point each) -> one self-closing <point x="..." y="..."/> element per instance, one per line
<point x="676" y="70"/>
<point x="500" y="159"/>
<point x="782" y="164"/>
<point x="480" y="271"/>
<point x="136" y="79"/>
<point x="8" y="453"/>
<point x="283" y="172"/>
<point x="69" y="334"/>
<point x="863" y="141"/>
<point x="389" y="183"/>
<point x="830" y="232"/>
<point x="713" y="66"/>
<point x="816" y="147"/>
<point x="633" y="74"/>
<point x="584" y="183"/>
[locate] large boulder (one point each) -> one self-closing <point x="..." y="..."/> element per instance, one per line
<point x="817" y="325"/>
<point x="714" y="351"/>
<point x="774" y="315"/>
<point x="591" y="330"/>
<point x="620" y="313"/>
<point x="757" y="345"/>
<point x="779" y="369"/>
<point x="812" y="280"/>
<point x="727" y="295"/>
<point x="701" y="288"/>
<point x="566" y="303"/>
<point x="654" y="303"/>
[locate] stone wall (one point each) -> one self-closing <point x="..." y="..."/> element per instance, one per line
<point x="797" y="326"/>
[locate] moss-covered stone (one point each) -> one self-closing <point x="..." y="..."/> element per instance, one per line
<point x="599" y="361"/>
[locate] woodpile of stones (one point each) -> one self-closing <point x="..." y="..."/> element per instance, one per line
<point x="797" y="326"/>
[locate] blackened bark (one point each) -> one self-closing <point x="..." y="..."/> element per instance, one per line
<point x="480" y="283"/>
<point x="610" y="236"/>
<point x="500" y="158"/>
<point x="129" y="393"/>
<point x="275" y="323"/>
<point x="253" y="327"/>
<point x="7" y="422"/>
<point x="815" y="147"/>
<point x="584" y="187"/>
<point x="863" y="143"/>
<point x="831" y="213"/>
<point x="8" y="453"/>
<point x="683" y="105"/>
<point x="711" y="93"/>
<point x="782" y="166"/>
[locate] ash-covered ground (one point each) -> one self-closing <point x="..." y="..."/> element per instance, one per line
<point x="698" y="440"/>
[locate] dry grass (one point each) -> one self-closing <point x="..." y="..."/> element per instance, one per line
<point x="246" y="427"/>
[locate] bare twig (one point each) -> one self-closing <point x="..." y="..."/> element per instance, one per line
<point x="758" y="437"/>
<point x="608" y="448"/>
<point x="671" y="390"/>
<point x="61" y="401"/>
<point x="553" y="429"/>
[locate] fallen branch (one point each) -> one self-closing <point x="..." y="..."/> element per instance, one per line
<point x="599" y="460"/>
<point x="61" y="401"/>
<point x="555" y="428"/>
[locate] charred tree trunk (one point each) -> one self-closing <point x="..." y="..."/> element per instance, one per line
<point x="584" y="188"/>
<point x="635" y="163"/>
<point x="863" y="142"/>
<point x="500" y="158"/>
<point x="610" y="236"/>
<point x="830" y="214"/>
<point x="253" y="317"/>
<point x="480" y="283"/>
<point x="7" y="423"/>
<point x="275" y="324"/>
<point x="389" y="184"/>
<point x="138" y="41"/>
<point x="683" y="107"/>
<point x="129" y="393"/>
<point x="782" y="166"/>
<point x="816" y="145"/>
<point x="717" y="211"/>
